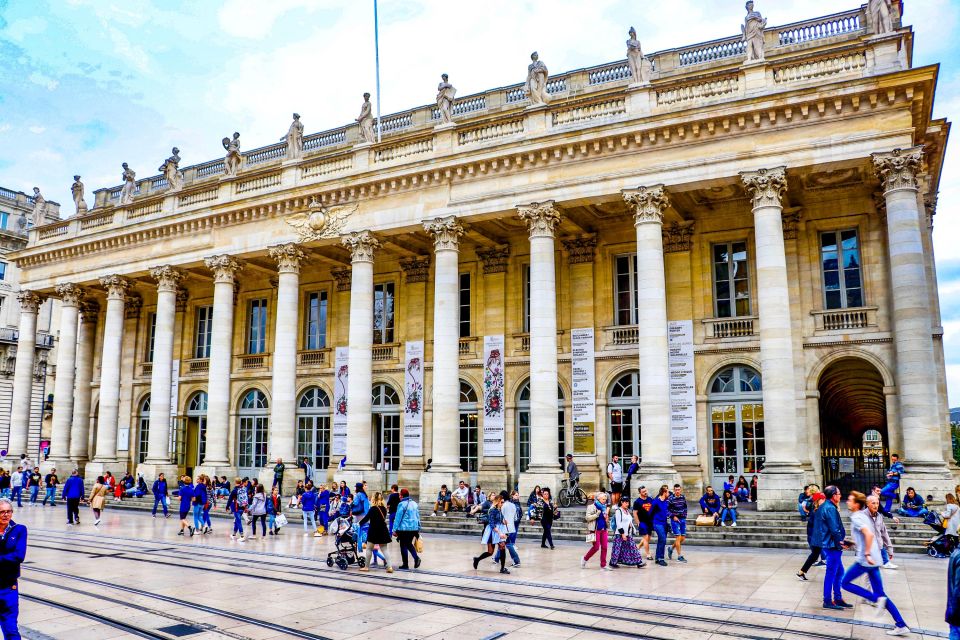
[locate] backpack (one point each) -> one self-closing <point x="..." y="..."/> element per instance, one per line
<point x="242" y="498"/>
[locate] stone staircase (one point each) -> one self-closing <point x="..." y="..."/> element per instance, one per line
<point x="772" y="530"/>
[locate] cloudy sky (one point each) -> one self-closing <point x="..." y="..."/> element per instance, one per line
<point x="88" y="84"/>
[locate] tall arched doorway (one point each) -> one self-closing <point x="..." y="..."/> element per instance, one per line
<point x="469" y="431"/>
<point x="523" y="427"/>
<point x="313" y="429"/>
<point x="623" y="402"/>
<point x="195" y="437"/>
<point x="386" y="409"/>
<point x="737" y="444"/>
<point x="252" y="426"/>
<point x="143" y="429"/>
<point x="853" y="425"/>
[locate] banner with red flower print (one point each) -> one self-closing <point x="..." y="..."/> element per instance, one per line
<point x="413" y="400"/>
<point x="493" y="403"/>
<point x="340" y="376"/>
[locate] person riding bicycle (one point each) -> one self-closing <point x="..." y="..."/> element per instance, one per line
<point x="572" y="473"/>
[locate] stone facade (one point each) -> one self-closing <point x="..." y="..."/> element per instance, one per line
<point x="720" y="193"/>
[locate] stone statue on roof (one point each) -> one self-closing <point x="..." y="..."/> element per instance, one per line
<point x="129" y="178"/>
<point x="171" y="170"/>
<point x="752" y="29"/>
<point x="39" y="207"/>
<point x="880" y="15"/>
<point x="365" y="120"/>
<point x="76" y="189"/>
<point x="635" y="60"/>
<point x="445" y="94"/>
<point x="233" y="159"/>
<point x="294" y="138"/>
<point x="536" y="84"/>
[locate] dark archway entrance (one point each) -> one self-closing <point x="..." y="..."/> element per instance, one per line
<point x="853" y="425"/>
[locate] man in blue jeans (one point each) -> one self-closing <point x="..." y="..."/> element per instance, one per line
<point x="13" y="550"/>
<point x="889" y="490"/>
<point x="660" y="513"/>
<point x="952" y="616"/>
<point x="17" y="482"/>
<point x="832" y="541"/>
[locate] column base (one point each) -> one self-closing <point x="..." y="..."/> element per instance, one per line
<point x="353" y="475"/>
<point x="290" y="479"/>
<point x="151" y="472"/>
<point x="495" y="479"/>
<point x="63" y="467"/>
<point x="652" y="476"/>
<point x="214" y="470"/>
<point x="96" y="468"/>
<point x="928" y="480"/>
<point x="544" y="477"/>
<point x="779" y="487"/>
<point x="430" y="482"/>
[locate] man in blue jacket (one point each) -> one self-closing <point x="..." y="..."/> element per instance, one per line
<point x="889" y="490"/>
<point x="710" y="503"/>
<point x="73" y="494"/>
<point x="160" y="494"/>
<point x="832" y="538"/>
<point x="13" y="551"/>
<point x="953" y="593"/>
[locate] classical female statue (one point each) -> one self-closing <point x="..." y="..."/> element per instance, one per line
<point x="171" y="170"/>
<point x="635" y="59"/>
<point x="129" y="178"/>
<point x="753" y="26"/>
<point x="880" y="13"/>
<point x="536" y="85"/>
<point x="365" y="120"/>
<point x="76" y="189"/>
<point x="445" y="95"/>
<point x="39" y="207"/>
<point x="233" y="159"/>
<point x="294" y="138"/>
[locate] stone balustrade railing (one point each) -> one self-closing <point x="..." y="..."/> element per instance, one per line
<point x="845" y="319"/>
<point x="8" y="194"/>
<point x="325" y="139"/>
<point x="265" y="154"/>
<point x="314" y="358"/>
<point x="724" y="328"/>
<point x="198" y="366"/>
<point x="250" y="362"/>
<point x="384" y="352"/>
<point x="620" y="336"/>
<point x="818" y="29"/>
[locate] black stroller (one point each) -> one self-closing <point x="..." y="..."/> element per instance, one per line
<point x="943" y="545"/>
<point x="345" y="539"/>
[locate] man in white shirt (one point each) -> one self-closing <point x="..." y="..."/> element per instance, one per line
<point x="615" y="475"/>
<point x="461" y="496"/>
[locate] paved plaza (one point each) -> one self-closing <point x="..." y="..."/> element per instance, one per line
<point x="134" y="570"/>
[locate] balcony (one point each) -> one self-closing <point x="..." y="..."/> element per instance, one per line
<point x="146" y="369"/>
<point x="253" y="362"/>
<point x="468" y="347"/>
<point x="843" y="320"/>
<point x="9" y="335"/>
<point x="314" y="358"/>
<point x="621" y="336"/>
<point x="197" y="367"/>
<point x="728" y="328"/>
<point x="385" y="352"/>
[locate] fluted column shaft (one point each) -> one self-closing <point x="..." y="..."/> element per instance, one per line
<point x="23" y="373"/>
<point x="221" y="350"/>
<point x="648" y="205"/>
<point x="362" y="246"/>
<point x="106" y="445"/>
<point x="70" y="295"/>
<point x="283" y="426"/>
<point x="158" y="445"/>
<point x="80" y="423"/>
<point x="542" y="219"/>
<point x="446" y="344"/>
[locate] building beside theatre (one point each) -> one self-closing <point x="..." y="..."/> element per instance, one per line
<point x="717" y="257"/>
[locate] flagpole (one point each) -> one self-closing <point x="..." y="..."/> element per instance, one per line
<point x="376" y="55"/>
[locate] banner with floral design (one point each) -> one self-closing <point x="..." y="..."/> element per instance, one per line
<point x="413" y="400"/>
<point x="493" y="402"/>
<point x="340" y="377"/>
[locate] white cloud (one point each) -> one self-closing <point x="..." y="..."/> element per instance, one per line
<point x="43" y="80"/>
<point x="254" y="18"/>
<point x="36" y="129"/>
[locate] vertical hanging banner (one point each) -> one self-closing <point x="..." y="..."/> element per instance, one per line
<point x="493" y="406"/>
<point x="583" y="377"/>
<point x="413" y="402"/>
<point x="340" y="379"/>
<point x="683" y="392"/>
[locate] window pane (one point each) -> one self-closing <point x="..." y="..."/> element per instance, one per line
<point x="723" y="290"/>
<point x="833" y="300"/>
<point x="831" y="280"/>
<point x="851" y="278"/>
<point x="854" y="298"/>
<point x="722" y="273"/>
<point x="720" y="253"/>
<point x="828" y="242"/>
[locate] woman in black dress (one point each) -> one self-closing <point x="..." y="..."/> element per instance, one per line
<point x="378" y="536"/>
<point x="546" y="520"/>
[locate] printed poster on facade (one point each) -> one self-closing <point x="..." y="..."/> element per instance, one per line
<point x="493" y="406"/>
<point x="174" y="402"/>
<point x="683" y="392"/>
<point x="583" y="377"/>
<point x="413" y="403"/>
<point x="340" y="376"/>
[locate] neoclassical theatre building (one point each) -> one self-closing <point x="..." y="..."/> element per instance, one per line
<point x="717" y="257"/>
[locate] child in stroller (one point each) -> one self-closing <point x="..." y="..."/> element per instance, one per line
<point x="942" y="545"/>
<point x="345" y="553"/>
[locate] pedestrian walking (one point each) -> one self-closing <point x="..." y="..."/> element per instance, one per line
<point x="494" y="535"/>
<point x="512" y="514"/>
<point x="624" y="550"/>
<point x="661" y="517"/>
<point x="952" y="614"/>
<point x="98" y="499"/>
<point x="881" y="533"/>
<point x="814" y="534"/>
<point x="17" y="483"/>
<point x="832" y="541"/>
<point x="186" y="499"/>
<point x="13" y="551"/>
<point x="868" y="562"/>
<point x="323" y="511"/>
<point x="548" y="515"/>
<point x="211" y="497"/>
<point x="199" y="500"/>
<point x="378" y="533"/>
<point x="361" y="504"/>
<point x="643" y="520"/>
<point x="308" y="505"/>
<point x="35" y="480"/>
<point x="73" y="493"/>
<point x="160" y="495"/>
<point x="892" y="487"/>
<point x="258" y="511"/>
<point x="597" y="524"/>
<point x="50" y="482"/>
<point x="5" y="483"/>
<point x="677" y="506"/>
<point x="393" y="501"/>
<point x="406" y="528"/>
<point x="274" y="509"/>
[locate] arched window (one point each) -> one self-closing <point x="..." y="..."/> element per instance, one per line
<point x="623" y="402"/>
<point x="523" y="426"/>
<point x="196" y="419"/>
<point x="469" y="428"/>
<point x="143" y="422"/>
<point x="313" y="427"/>
<point x="736" y="423"/>
<point x="252" y="428"/>
<point x="386" y="421"/>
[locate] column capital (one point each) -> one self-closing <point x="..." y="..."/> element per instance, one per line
<point x="678" y="237"/>
<point x="415" y="268"/>
<point x="89" y="310"/>
<point x="30" y="301"/>
<point x="167" y="278"/>
<point x="494" y="259"/>
<point x="116" y="286"/>
<point x="580" y="250"/>
<point x="541" y="217"/>
<point x="224" y="267"/>
<point x="446" y="233"/>
<point x="70" y="294"/>
<point x="765" y="186"/>
<point x="898" y="169"/>
<point x="362" y="245"/>
<point x="648" y="203"/>
<point x="287" y="256"/>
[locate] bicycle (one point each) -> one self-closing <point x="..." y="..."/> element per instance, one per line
<point x="569" y="494"/>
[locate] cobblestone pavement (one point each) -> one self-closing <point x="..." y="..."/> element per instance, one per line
<point x="135" y="573"/>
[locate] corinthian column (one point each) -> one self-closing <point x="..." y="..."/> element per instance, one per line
<point x="782" y="472"/>
<point x="70" y="296"/>
<point x="158" y="445"/>
<point x="647" y="205"/>
<point x="362" y="245"/>
<point x="445" y="448"/>
<point x="217" y="460"/>
<point x="80" y="426"/>
<point x="542" y="219"/>
<point x="283" y="425"/>
<point x="105" y="450"/>
<point x="23" y="373"/>
<point x="910" y="300"/>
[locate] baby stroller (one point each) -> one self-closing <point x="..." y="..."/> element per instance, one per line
<point x="345" y="540"/>
<point x="942" y="545"/>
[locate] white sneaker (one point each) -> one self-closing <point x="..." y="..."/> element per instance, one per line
<point x="607" y="568"/>
<point x="891" y="566"/>
<point x="96" y="522"/>
<point x="317" y="535"/>
<point x="444" y="514"/>
<point x="734" y="525"/>
<point x="433" y="515"/>
<point x="242" y="539"/>
<point x="233" y="536"/>
<point x="583" y="563"/>
<point x="899" y="631"/>
<point x="881" y="607"/>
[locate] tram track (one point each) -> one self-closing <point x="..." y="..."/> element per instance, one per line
<point x="90" y="615"/>
<point x="363" y="582"/>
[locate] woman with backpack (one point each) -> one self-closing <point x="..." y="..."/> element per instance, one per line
<point x="625" y="550"/>
<point x="258" y="511"/>
<point x="98" y="498"/>
<point x="237" y="504"/>
<point x="494" y="535"/>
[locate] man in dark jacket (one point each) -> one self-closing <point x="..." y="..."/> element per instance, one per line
<point x="160" y="494"/>
<point x="13" y="550"/>
<point x="73" y="494"/>
<point x="832" y="537"/>
<point x="953" y="594"/>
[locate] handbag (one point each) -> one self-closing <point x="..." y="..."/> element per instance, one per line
<point x="591" y="537"/>
<point x="418" y="544"/>
<point x="280" y="520"/>
<point x="706" y="520"/>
